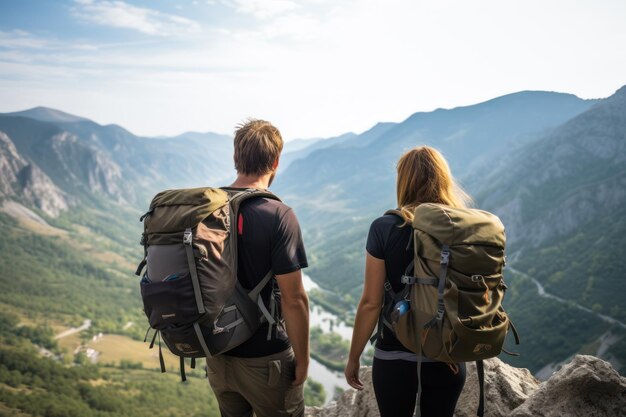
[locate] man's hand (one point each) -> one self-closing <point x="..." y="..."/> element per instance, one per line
<point x="302" y="370"/>
<point x="295" y="310"/>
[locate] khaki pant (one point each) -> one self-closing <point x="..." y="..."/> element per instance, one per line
<point x="260" y="385"/>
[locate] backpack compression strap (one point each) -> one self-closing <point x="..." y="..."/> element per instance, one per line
<point x="480" y="371"/>
<point x="191" y="261"/>
<point x="255" y="295"/>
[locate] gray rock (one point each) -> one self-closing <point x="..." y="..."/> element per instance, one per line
<point x="23" y="180"/>
<point x="506" y="388"/>
<point x="587" y="386"/>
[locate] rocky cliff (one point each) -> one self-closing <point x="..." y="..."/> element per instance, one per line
<point x="23" y="180"/>
<point x="587" y="386"/>
<point x="69" y="158"/>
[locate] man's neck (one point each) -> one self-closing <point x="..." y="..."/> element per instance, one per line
<point x="252" y="181"/>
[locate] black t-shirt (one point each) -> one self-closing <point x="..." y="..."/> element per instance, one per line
<point x="268" y="237"/>
<point x="388" y="241"/>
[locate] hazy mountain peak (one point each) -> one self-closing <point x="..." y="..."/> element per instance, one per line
<point x="532" y="95"/>
<point x="519" y="98"/>
<point x="47" y="114"/>
<point x="620" y="94"/>
<point x="621" y="90"/>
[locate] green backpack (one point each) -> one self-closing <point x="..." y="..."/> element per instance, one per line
<point x="454" y="287"/>
<point x="190" y="291"/>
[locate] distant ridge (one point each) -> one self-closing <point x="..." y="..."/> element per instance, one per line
<point x="47" y="114"/>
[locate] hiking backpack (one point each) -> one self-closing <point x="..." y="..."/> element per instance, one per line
<point x="454" y="288"/>
<point x="190" y="291"/>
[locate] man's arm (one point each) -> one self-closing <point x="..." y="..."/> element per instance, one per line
<point x="295" y="311"/>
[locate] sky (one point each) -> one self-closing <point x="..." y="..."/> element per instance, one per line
<point x="314" y="68"/>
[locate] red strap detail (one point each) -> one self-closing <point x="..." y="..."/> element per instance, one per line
<point x="240" y="224"/>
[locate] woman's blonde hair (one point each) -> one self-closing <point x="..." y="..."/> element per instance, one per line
<point x="424" y="177"/>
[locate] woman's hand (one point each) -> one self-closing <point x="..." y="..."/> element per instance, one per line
<point x="366" y="316"/>
<point x="352" y="374"/>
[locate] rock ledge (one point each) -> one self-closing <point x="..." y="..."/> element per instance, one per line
<point x="586" y="387"/>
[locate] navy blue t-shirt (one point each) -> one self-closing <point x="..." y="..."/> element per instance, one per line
<point x="268" y="237"/>
<point x="388" y="241"/>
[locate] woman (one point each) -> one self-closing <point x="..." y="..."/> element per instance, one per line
<point x="423" y="177"/>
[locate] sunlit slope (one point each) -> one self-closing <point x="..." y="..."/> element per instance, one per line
<point x="563" y="201"/>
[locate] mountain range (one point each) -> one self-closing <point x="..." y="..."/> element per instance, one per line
<point x="551" y="165"/>
<point x="75" y="159"/>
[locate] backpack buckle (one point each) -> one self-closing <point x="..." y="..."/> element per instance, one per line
<point x="445" y="257"/>
<point x="387" y="286"/>
<point x="187" y="238"/>
<point x="405" y="279"/>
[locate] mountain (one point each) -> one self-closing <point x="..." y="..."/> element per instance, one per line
<point x="73" y="156"/>
<point x="563" y="201"/>
<point x="46" y="114"/>
<point x="301" y="148"/>
<point x="337" y="191"/>
<point x="358" y="177"/>
<point x="578" y="171"/>
<point x="71" y="191"/>
<point x="551" y="165"/>
<point x="24" y="181"/>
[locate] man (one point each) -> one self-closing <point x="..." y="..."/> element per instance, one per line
<point x="266" y="376"/>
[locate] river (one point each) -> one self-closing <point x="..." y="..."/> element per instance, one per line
<point x="327" y="321"/>
<point x="543" y="293"/>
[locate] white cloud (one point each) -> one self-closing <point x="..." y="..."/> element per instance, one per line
<point x="123" y="15"/>
<point x="323" y="68"/>
<point x="19" y="39"/>
<point x="262" y="9"/>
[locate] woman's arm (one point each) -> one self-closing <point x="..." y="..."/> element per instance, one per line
<point x="366" y="316"/>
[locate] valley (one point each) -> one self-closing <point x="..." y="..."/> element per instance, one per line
<point x="551" y="165"/>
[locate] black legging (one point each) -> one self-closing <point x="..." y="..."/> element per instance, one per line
<point x="395" y="386"/>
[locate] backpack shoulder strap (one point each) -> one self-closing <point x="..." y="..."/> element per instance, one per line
<point x="396" y="212"/>
<point x="237" y="197"/>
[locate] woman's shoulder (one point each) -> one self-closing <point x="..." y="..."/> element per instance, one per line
<point x="386" y="222"/>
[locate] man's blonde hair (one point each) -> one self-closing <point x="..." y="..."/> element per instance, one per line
<point x="258" y="145"/>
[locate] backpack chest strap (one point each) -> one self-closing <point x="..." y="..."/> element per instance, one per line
<point x="415" y="280"/>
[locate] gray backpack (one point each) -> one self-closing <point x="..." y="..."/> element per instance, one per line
<point x="190" y="291"/>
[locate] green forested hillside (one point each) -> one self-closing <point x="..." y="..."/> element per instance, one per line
<point x="69" y="277"/>
<point x="31" y="385"/>
<point x="563" y="201"/>
<point x="586" y="267"/>
<point x="551" y="332"/>
<point x="83" y="270"/>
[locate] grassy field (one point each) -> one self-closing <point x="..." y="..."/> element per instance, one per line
<point x="114" y="349"/>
